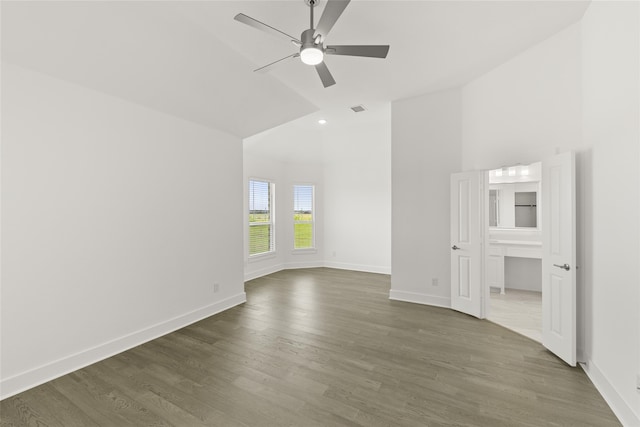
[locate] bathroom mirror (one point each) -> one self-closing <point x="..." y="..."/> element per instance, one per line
<point x="514" y="194"/>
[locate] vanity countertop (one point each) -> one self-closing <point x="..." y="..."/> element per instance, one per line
<point x="515" y="242"/>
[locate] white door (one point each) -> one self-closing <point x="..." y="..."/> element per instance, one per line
<point x="467" y="219"/>
<point x="559" y="256"/>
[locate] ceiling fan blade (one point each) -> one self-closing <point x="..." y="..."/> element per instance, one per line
<point x="265" y="67"/>
<point x="332" y="11"/>
<point x="371" y="51"/>
<point x="325" y="75"/>
<point x="241" y="17"/>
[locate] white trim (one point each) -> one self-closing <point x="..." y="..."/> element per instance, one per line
<point x="313" y="216"/>
<point x="262" y="256"/>
<point x="419" y="298"/>
<point x="303" y="264"/>
<point x="272" y="220"/>
<point x="314" y="264"/>
<point x="279" y="267"/>
<point x="304" y="251"/>
<point x="359" y="267"/>
<point x="625" y="413"/>
<point x="263" y="272"/>
<point x="37" y="376"/>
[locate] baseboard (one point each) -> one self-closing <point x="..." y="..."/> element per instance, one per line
<point x="358" y="267"/>
<point x="40" y="375"/>
<point x="303" y="264"/>
<point x="622" y="410"/>
<point x="419" y="298"/>
<point x="263" y="272"/>
<point x="314" y="264"/>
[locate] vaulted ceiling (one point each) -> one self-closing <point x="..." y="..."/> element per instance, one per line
<point x="190" y="59"/>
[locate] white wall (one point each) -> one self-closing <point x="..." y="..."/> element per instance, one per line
<point x="611" y="116"/>
<point x="426" y="150"/>
<point x="523" y="273"/>
<point x="525" y="111"/>
<point x="272" y="171"/>
<point x="357" y="180"/>
<point x="578" y="90"/>
<point x="526" y="108"/>
<point x="284" y="175"/>
<point x="348" y="160"/>
<point x="305" y="173"/>
<point x="116" y="222"/>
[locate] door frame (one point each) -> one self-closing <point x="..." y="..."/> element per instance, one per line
<point x="486" y="301"/>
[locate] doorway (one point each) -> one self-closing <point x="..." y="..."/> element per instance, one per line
<point x="514" y="253"/>
<point x="472" y="248"/>
<point x="519" y="311"/>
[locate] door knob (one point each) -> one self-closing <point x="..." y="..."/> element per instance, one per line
<point x="565" y="266"/>
<point x="454" y="247"/>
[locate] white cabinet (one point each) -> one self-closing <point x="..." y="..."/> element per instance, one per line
<point x="498" y="249"/>
<point x="495" y="271"/>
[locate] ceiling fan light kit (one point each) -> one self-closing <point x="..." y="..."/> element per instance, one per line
<point x="311" y="55"/>
<point x="312" y="49"/>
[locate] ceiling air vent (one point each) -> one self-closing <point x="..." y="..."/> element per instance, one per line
<point x="358" y="108"/>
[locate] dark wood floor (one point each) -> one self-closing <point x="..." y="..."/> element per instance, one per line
<point x="322" y="347"/>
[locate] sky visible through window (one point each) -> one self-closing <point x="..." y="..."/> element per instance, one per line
<point x="303" y="198"/>
<point x="258" y="196"/>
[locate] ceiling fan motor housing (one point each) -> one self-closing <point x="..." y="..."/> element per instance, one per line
<point x="311" y="52"/>
<point x="308" y="39"/>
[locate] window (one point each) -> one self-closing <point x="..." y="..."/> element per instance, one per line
<point x="261" y="217"/>
<point x="303" y="217"/>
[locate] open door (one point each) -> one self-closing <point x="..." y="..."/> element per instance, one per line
<point x="467" y="253"/>
<point x="559" y="256"/>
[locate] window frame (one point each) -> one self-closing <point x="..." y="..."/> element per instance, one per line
<point x="271" y="223"/>
<point x="311" y="248"/>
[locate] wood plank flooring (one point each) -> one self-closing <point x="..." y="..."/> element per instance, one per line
<point x="322" y="347"/>
<point x="520" y="311"/>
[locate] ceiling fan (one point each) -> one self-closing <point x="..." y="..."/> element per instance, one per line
<point x="311" y="42"/>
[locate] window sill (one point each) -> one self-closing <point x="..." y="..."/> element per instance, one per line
<point x="262" y="257"/>
<point x="304" y="251"/>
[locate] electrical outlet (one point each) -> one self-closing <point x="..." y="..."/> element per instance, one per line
<point x="333" y="253"/>
<point x="638" y="381"/>
<point x="216" y="287"/>
<point x="434" y="281"/>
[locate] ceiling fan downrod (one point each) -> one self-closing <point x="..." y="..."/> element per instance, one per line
<point x="311" y="51"/>
<point x="311" y="4"/>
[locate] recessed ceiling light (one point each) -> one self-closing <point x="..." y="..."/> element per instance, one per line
<point x="322" y="121"/>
